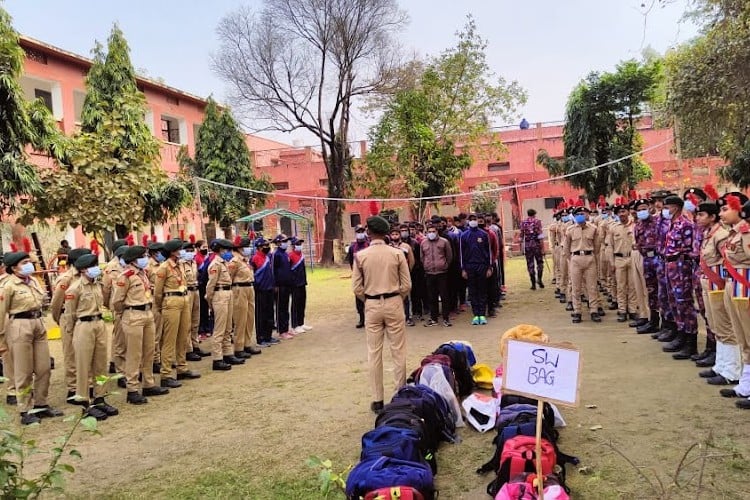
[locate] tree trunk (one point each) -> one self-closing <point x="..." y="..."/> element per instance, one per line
<point x="121" y="231"/>
<point x="338" y="173"/>
<point x="333" y="230"/>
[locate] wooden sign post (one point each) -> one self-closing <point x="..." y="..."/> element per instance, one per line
<point x="546" y="372"/>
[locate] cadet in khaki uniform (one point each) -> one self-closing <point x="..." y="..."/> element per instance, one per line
<point x="21" y="319"/>
<point x="170" y="297"/>
<point x="112" y="271"/>
<point x="132" y="298"/>
<point x="380" y="278"/>
<point x="154" y="261"/>
<point x="193" y="352"/>
<point x="65" y="319"/>
<point x="84" y="300"/>
<point x="581" y="243"/>
<point x="621" y="242"/>
<point x="219" y="297"/>
<point x="10" y="397"/>
<point x="243" y="299"/>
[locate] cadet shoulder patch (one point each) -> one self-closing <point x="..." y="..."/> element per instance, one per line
<point x="128" y="273"/>
<point x="69" y="296"/>
<point x="213" y="271"/>
<point x="745" y="228"/>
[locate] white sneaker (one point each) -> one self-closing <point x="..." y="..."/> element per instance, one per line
<point x="299" y="330"/>
<point x="306" y="328"/>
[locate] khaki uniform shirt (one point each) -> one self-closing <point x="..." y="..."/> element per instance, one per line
<point x="132" y="288"/>
<point x="218" y="275"/>
<point x="3" y="344"/>
<point x="191" y="272"/>
<point x="710" y="246"/>
<point x="620" y="239"/>
<point x="84" y="298"/>
<point x="153" y="266"/>
<point x="380" y="269"/>
<point x="554" y="235"/>
<point x="581" y="238"/>
<point x="111" y="272"/>
<point x="404" y="247"/>
<point x="19" y="295"/>
<point x="737" y="246"/>
<point x="63" y="282"/>
<point x="169" y="278"/>
<point x="240" y="270"/>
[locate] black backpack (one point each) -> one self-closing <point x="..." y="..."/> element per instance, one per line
<point x="460" y="366"/>
<point x="405" y="415"/>
<point x="432" y="407"/>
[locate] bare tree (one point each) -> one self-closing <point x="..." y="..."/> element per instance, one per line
<point x="300" y="64"/>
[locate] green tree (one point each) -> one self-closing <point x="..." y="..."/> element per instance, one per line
<point x="600" y="126"/>
<point x="414" y="146"/>
<point x="485" y="203"/>
<point x="113" y="160"/>
<point x="221" y="155"/>
<point x="708" y="87"/>
<point x="165" y="200"/>
<point x="22" y="124"/>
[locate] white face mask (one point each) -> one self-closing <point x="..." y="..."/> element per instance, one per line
<point x="666" y="213"/>
<point x="27" y="269"/>
<point x="247" y="251"/>
<point x="473" y="223"/>
<point x="432" y="236"/>
<point x="404" y="234"/>
<point x="361" y="236"/>
<point x="93" y="272"/>
<point x="298" y="248"/>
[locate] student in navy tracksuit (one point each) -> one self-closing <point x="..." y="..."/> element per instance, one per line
<point x="264" y="285"/>
<point x="299" y="287"/>
<point x="476" y="267"/>
<point x="282" y="273"/>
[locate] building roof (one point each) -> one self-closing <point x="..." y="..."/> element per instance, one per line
<point x="273" y="211"/>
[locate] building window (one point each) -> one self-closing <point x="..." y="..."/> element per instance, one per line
<point x="498" y="166"/>
<point x="285" y="225"/>
<point x="170" y="130"/>
<point x="280" y="186"/>
<point x="552" y="203"/>
<point x="323" y="182"/>
<point x="45" y="96"/>
<point x="355" y="220"/>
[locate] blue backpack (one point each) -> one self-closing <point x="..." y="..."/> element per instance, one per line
<point x="394" y="442"/>
<point x="385" y="472"/>
<point x="432" y="407"/>
<point x="470" y="357"/>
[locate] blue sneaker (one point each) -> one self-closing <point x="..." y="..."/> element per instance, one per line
<point x="475" y="320"/>
<point x="482" y="320"/>
<point x="274" y="340"/>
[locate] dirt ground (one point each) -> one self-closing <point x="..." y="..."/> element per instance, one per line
<point x="247" y="433"/>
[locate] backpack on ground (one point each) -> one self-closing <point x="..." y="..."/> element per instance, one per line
<point x="384" y="472"/>
<point x="460" y="365"/>
<point x="440" y="359"/>
<point x="519" y="456"/>
<point x="437" y="377"/>
<point x="403" y="414"/>
<point x="465" y="346"/>
<point x="522" y="487"/>
<point x="395" y="442"/>
<point x="432" y="407"/>
<point x="395" y="493"/>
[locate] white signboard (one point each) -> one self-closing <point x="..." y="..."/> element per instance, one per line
<point x="542" y="371"/>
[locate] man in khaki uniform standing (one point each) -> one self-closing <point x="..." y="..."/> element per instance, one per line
<point x="380" y="278"/>
<point x="193" y="352"/>
<point x="621" y="242"/>
<point x="581" y="243"/>
<point x="66" y="320"/>
<point x="154" y="261"/>
<point x="112" y="271"/>
<point x="219" y="297"/>
<point x="170" y="297"/>
<point x="10" y="397"/>
<point x="243" y="299"/>
<point x="133" y="300"/>
<point x="21" y="302"/>
<point x="83" y="301"/>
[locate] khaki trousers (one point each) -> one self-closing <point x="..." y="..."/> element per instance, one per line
<point x="626" y="298"/>
<point x="243" y="314"/>
<point x="385" y="318"/>
<point x="9" y="373"/>
<point x="69" y="354"/>
<point x="564" y="281"/>
<point x="583" y="278"/>
<point x="27" y="339"/>
<point x="556" y="264"/>
<point x="158" y="328"/>
<point x="195" y="319"/>
<point x="740" y="318"/>
<point x="119" y="344"/>
<point x="138" y="329"/>
<point x="639" y="282"/>
<point x="175" y="317"/>
<point x="90" y="343"/>
<point x="728" y="358"/>
<point x="222" y="306"/>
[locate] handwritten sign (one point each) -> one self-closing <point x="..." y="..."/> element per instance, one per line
<point x="542" y="371"/>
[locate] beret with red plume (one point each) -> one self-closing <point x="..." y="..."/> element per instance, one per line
<point x="191" y="238"/>
<point x="144" y="240"/>
<point x="94" y="246"/>
<point x="130" y="239"/>
<point x="711" y="192"/>
<point x="26" y="244"/>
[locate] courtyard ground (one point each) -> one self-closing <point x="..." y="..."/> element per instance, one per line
<point x="247" y="433"/>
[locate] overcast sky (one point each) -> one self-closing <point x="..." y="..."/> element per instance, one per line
<point x="546" y="45"/>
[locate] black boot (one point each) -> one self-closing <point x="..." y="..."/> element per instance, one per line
<point x="668" y="331"/>
<point x="563" y="300"/>
<point x="710" y="349"/>
<point x="569" y="307"/>
<point x="639" y="322"/>
<point x="533" y="283"/>
<point x="231" y="360"/>
<point x="689" y="348"/>
<point x="220" y="365"/>
<point x="677" y="344"/>
<point x="652" y="326"/>
<point x="539" y="278"/>
<point x="709" y="360"/>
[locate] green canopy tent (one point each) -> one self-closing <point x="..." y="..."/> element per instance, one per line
<point x="294" y="217"/>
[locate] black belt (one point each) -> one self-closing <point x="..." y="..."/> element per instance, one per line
<point x="175" y="294"/>
<point x="382" y="296"/>
<point x="27" y="315"/>
<point x="224" y="287"/>
<point x="649" y="253"/>
<point x="673" y="258"/>
<point x="95" y="317"/>
<point x="249" y="283"/>
<point x="193" y="288"/>
<point x="583" y="252"/>
<point x="142" y="307"/>
<point x="618" y="254"/>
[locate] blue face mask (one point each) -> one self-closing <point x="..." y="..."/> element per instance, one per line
<point x="122" y="262"/>
<point x="142" y="262"/>
<point x="616" y="218"/>
<point x="247" y="251"/>
<point x="579" y="219"/>
<point x="187" y="256"/>
<point x="284" y="246"/>
<point x="605" y="216"/>
<point x="689" y="206"/>
<point x="643" y="214"/>
<point x="226" y="256"/>
<point x="160" y="258"/>
<point x="666" y="213"/>
<point x="93" y="272"/>
<point x="27" y="269"/>
<point x="566" y="218"/>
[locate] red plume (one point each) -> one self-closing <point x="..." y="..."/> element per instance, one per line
<point x="182" y="234"/>
<point x="580" y="202"/>
<point x="251" y="234"/>
<point x="237" y="240"/>
<point x="733" y="202"/>
<point x="144" y="240"/>
<point x="711" y="192"/>
<point x="94" y="246"/>
<point x="374" y="208"/>
<point x="169" y="237"/>
<point x="632" y="194"/>
<point x="26" y="244"/>
<point x="191" y="238"/>
<point x="592" y="205"/>
<point x="13" y="247"/>
<point x="694" y="199"/>
<point x="153" y="237"/>
<point x="130" y="239"/>
<point x="602" y="200"/>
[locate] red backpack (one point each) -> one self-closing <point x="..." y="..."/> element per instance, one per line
<point x="395" y="493"/>
<point x="519" y="456"/>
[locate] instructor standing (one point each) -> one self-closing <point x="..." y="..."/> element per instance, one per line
<point x="380" y="278"/>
